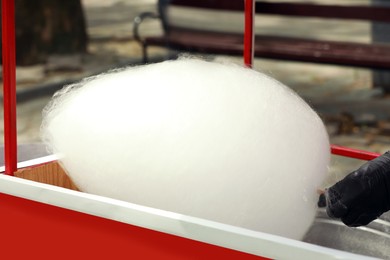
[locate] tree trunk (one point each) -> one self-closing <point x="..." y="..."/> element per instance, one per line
<point x="45" y="27"/>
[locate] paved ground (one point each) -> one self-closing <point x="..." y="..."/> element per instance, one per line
<point x="332" y="91"/>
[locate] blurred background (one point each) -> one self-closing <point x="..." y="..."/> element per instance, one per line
<point x="60" y="42"/>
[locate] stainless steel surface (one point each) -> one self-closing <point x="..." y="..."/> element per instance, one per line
<point x="371" y="240"/>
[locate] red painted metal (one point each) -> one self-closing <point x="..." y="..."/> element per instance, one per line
<point x="248" y="32"/>
<point x="33" y="230"/>
<point x="9" y="88"/>
<point x="353" y="153"/>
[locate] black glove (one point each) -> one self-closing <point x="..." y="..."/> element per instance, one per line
<point x="362" y="196"/>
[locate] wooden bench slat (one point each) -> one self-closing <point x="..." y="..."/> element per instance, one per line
<point x="320" y="51"/>
<point x="327" y="52"/>
<point x="227" y="5"/>
<point x="199" y="41"/>
<point x="357" y="12"/>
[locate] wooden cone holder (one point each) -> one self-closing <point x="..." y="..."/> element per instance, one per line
<point x="50" y="173"/>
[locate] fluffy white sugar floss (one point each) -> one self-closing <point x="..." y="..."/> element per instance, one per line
<point x="210" y="140"/>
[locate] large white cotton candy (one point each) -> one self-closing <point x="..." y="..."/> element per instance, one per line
<point x="209" y="140"/>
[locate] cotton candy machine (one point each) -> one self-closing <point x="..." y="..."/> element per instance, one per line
<point x="371" y="240"/>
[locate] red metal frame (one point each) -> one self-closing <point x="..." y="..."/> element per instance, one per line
<point x="9" y="88"/>
<point x="353" y="153"/>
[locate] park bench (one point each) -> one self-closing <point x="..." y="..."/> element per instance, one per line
<point x="204" y="39"/>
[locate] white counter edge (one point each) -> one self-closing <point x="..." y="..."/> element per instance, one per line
<point x="236" y="238"/>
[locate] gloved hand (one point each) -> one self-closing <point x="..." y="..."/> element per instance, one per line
<point x="362" y="196"/>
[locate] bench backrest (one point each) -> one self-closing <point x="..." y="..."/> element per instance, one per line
<point x="227" y="16"/>
<point x="232" y="10"/>
<point x="356" y="12"/>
